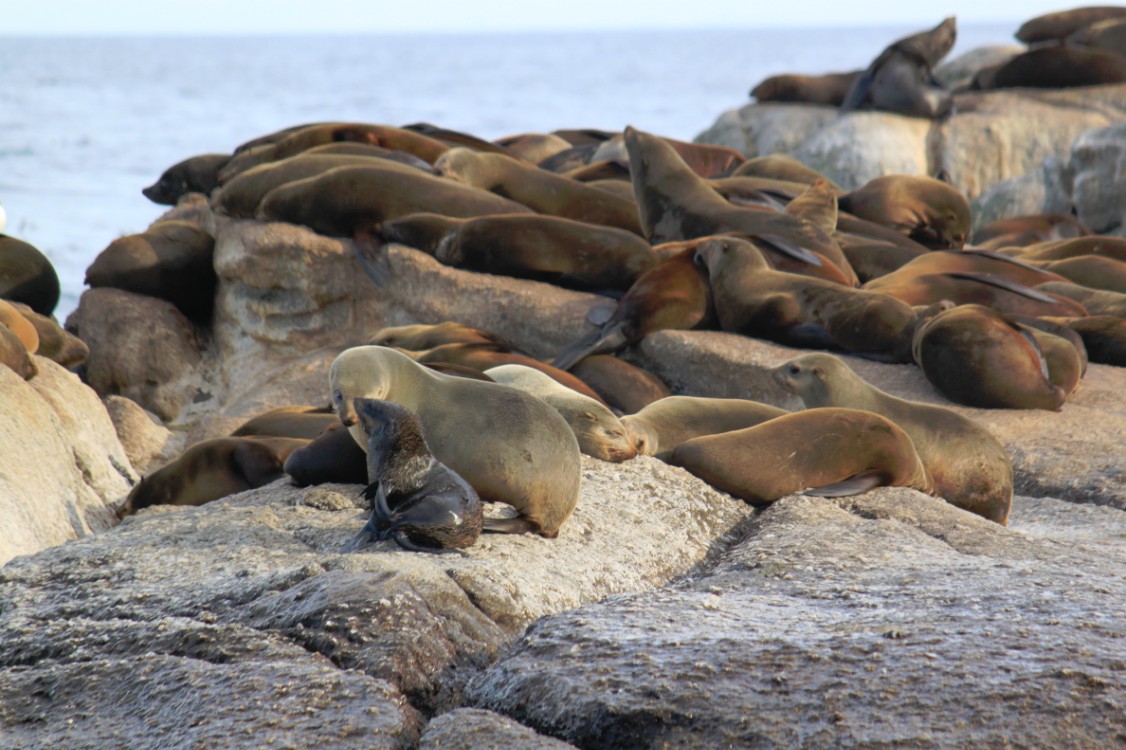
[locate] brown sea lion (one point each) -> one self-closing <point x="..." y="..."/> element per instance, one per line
<point x="901" y="79"/>
<point x="754" y="300"/>
<point x="1093" y="301"/>
<point x="348" y="148"/>
<point x="338" y="201"/>
<point x="830" y="88"/>
<point x="967" y="465"/>
<point x="969" y="261"/>
<point x="561" y="251"/>
<point x="302" y="422"/>
<point x="1104" y="337"/>
<point x="675" y="294"/>
<point x="975" y="356"/>
<point x="332" y="456"/>
<point x="14" y="355"/>
<point x="599" y="432"/>
<point x="584" y="136"/>
<point x="1094" y="271"/>
<point x="1057" y="68"/>
<point x="416" y="499"/>
<point x="1110" y="247"/>
<point x="422" y="336"/>
<point x="15" y="321"/>
<point x="533" y="147"/>
<point x="1056" y="355"/>
<point x="539" y="189"/>
<point x="676" y="204"/>
<point x="55" y="343"/>
<point x="836" y="452"/>
<point x="623" y="386"/>
<point x="27" y="276"/>
<point x="1108" y="35"/>
<point x="457" y="138"/>
<point x="783" y="167"/>
<point x="663" y="425"/>
<point x="1030" y="229"/>
<point x="963" y="288"/>
<point x="1063" y="23"/>
<point x="927" y="210"/>
<point x="198" y="174"/>
<point x="872" y="259"/>
<point x="171" y="260"/>
<point x="213" y="469"/>
<point x="705" y="160"/>
<point x="521" y="451"/>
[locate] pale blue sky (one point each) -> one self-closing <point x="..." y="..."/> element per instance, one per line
<point x="98" y="17"/>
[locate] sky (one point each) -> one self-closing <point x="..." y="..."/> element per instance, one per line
<point x="112" y="17"/>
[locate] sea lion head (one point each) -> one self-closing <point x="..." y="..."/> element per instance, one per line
<point x="359" y="372"/>
<point x="814" y="378"/>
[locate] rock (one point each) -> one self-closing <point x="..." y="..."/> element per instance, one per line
<point x="992" y="136"/>
<point x="1098" y="163"/>
<point x="843" y="623"/>
<point x="473" y="727"/>
<point x="145" y="439"/>
<point x="1044" y="190"/>
<point x="62" y="471"/>
<point x="140" y="347"/>
<point x="957" y="73"/>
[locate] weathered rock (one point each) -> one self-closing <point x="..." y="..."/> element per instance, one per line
<point x="62" y="471"/>
<point x="473" y="727"/>
<point x="1098" y="166"/>
<point x="1045" y="190"/>
<point x="859" y="146"/>
<point x="140" y="347"/>
<point x="145" y="439"/>
<point x="886" y="619"/>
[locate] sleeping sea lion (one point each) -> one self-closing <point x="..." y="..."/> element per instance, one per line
<point x="663" y="425"/>
<point x="198" y="174"/>
<point x="830" y="88"/>
<point x="27" y="276"/>
<point x="927" y="210"/>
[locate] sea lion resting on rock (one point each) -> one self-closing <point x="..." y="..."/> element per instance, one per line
<point x="213" y="469"/>
<point x="624" y="387"/>
<point x="975" y="356"/>
<point x="830" y="89"/>
<point x="26" y="275"/>
<point x="416" y="499"/>
<point x="927" y="210"/>
<point x="966" y="465"/>
<point x="14" y="355"/>
<point x="902" y="78"/>
<point x="663" y="425"/>
<point x="509" y="446"/>
<point x="599" y="432"/>
<point x="836" y="452"/>
<point x="198" y="174"/>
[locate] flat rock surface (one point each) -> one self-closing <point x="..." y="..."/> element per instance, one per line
<point x="886" y="619"/>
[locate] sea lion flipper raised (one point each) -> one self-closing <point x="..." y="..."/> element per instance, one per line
<point x="854" y="485"/>
<point x="371" y="254"/>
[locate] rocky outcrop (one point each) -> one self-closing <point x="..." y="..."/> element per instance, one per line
<point x="62" y="471"/>
<point x="991" y="137"/>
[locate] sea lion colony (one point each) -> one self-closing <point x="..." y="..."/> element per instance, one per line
<point x="677" y="236"/>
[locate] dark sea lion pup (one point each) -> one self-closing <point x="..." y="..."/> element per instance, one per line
<point x="416" y="499"/>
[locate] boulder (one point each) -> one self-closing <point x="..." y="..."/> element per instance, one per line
<point x="1045" y="190"/>
<point x="474" y="727"/>
<point x="1098" y="187"/>
<point x="147" y="442"/>
<point x="63" y="471"/>
<point x="889" y="619"/>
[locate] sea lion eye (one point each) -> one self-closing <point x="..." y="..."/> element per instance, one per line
<point x="337" y="396"/>
<point x="588" y="416"/>
<point x="795" y="370"/>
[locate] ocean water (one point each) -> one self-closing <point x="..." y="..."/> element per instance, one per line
<point x="85" y="124"/>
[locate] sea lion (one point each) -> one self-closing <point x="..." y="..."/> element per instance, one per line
<point x="171" y="260"/>
<point x="1031" y="229"/>
<point x="830" y="88"/>
<point x="1108" y="35"/>
<point x="1110" y="247"/>
<point x="1057" y="68"/>
<point x="198" y="174"/>
<point x="901" y="79"/>
<point x="927" y="210"/>
<point x="675" y="204"/>
<point x="332" y="456"/>
<point x="349" y="148"/>
<point x="55" y="343"/>
<point x="539" y="189"/>
<point x="968" y="261"/>
<point x="624" y="387"/>
<point x="457" y="138"/>
<point x="975" y="356"/>
<point x="599" y="432"/>
<point x="967" y="465"/>
<point x="14" y="355"/>
<point x="509" y="446"/>
<point x="1092" y="301"/>
<point x="1094" y="271"/>
<point x="27" y="276"/>
<point x="872" y="259"/>
<point x="783" y="167"/>
<point x="338" y="201"/>
<point x="561" y="251"/>
<point x="584" y="136"/>
<point x="534" y="147"/>
<point x="834" y="451"/>
<point x="752" y="299"/>
<point x="1104" y="337"/>
<point x="303" y="422"/>
<point x="427" y="336"/>
<point x="416" y="499"/>
<point x="1063" y="23"/>
<point x="17" y="323"/>
<point x="240" y="196"/>
<point x="663" y="425"/>
<point x="212" y="469"/>
<point x="675" y="294"/>
<point x="986" y="289"/>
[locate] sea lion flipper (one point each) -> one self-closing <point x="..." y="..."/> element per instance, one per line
<point x="510" y="526"/>
<point x="786" y="247"/>
<point x="600" y="313"/>
<point x="405" y="542"/>
<point x="859" y="89"/>
<point x="371" y="255"/>
<point x="854" y="485"/>
<point x="597" y="341"/>
<point x="1003" y="283"/>
<point x="365" y="537"/>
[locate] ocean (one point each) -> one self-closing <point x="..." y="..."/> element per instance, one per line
<point x="86" y="123"/>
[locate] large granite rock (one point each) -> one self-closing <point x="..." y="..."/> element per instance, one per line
<point x="991" y="137"/>
<point x="891" y="619"/>
<point x="1098" y="173"/>
<point x="62" y="470"/>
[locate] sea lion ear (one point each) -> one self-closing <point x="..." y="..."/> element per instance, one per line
<point x="589" y="416"/>
<point x="819" y="373"/>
